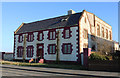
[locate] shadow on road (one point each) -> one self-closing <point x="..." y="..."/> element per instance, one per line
<point x="52" y="72"/>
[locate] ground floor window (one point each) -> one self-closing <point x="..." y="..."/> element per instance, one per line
<point x="30" y="51"/>
<point x="19" y="51"/>
<point x="67" y="48"/>
<point x="51" y="49"/>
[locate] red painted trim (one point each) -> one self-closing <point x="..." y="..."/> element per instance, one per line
<point x="31" y="38"/>
<point x="52" y="48"/>
<point x="47" y="29"/>
<point x="20" y="41"/>
<point x="51" y="31"/>
<point x="67" y="48"/>
<point x="42" y="44"/>
<point x="19" y="54"/>
<point x="31" y="47"/>
<point x="14" y="47"/>
<point x="38" y="36"/>
<point x="64" y="34"/>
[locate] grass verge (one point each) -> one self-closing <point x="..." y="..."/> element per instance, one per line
<point x="63" y="66"/>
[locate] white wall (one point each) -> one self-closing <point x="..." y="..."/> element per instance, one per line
<point x="63" y="57"/>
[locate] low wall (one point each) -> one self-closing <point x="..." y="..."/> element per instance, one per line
<point x="105" y="65"/>
<point x="8" y="56"/>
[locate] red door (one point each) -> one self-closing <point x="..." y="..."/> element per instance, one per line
<point x="40" y="51"/>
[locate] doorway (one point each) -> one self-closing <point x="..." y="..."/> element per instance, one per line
<point x="40" y="51"/>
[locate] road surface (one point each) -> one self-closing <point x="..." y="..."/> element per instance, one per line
<point x="11" y="71"/>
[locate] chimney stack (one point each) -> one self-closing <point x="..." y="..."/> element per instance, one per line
<point x="70" y="12"/>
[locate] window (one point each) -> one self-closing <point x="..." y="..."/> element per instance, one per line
<point x="98" y="30"/>
<point x="20" y="51"/>
<point x="110" y="34"/>
<point x="30" y="37"/>
<point x="102" y="32"/>
<point x="52" y="35"/>
<point x="67" y="33"/>
<point x="40" y="36"/>
<point x="106" y="33"/>
<point x="85" y="34"/>
<point x="20" y="38"/>
<point x="51" y="49"/>
<point x="30" y="51"/>
<point x="66" y="48"/>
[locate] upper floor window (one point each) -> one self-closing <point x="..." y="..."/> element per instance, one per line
<point x="67" y="33"/>
<point x="51" y="48"/>
<point x="85" y="20"/>
<point x="30" y="51"/>
<point x="67" y="48"/>
<point x="85" y="34"/>
<point x="19" y="51"/>
<point x="20" y="38"/>
<point x="40" y="36"/>
<point x="98" y="30"/>
<point x="106" y="33"/>
<point x="30" y="37"/>
<point x="52" y="35"/>
<point x="102" y="32"/>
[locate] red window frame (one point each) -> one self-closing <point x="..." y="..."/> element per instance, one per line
<point x="19" y="51"/>
<point x="30" y="54"/>
<point x="38" y="36"/>
<point x="29" y="38"/>
<point x="20" y="35"/>
<point x="63" y="48"/>
<point x="64" y="33"/>
<point x="51" y="31"/>
<point x="51" y="45"/>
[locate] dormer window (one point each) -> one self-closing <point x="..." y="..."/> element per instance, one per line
<point x="20" y="38"/>
<point x="52" y="35"/>
<point x="66" y="33"/>
<point x="40" y="36"/>
<point x="30" y="37"/>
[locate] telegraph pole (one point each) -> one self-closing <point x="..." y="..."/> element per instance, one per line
<point x="24" y="48"/>
<point x="58" y="50"/>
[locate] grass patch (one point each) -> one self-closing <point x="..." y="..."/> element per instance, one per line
<point x="63" y="66"/>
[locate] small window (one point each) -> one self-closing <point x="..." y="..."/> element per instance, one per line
<point x="67" y="48"/>
<point x="85" y="46"/>
<point x="40" y="36"/>
<point x="52" y="35"/>
<point x="67" y="33"/>
<point x="20" y="51"/>
<point x="85" y="34"/>
<point x="20" y="38"/>
<point x="85" y="20"/>
<point x="51" y="49"/>
<point x="30" y="51"/>
<point x="30" y="37"/>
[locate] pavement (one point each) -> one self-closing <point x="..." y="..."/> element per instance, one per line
<point x="12" y="71"/>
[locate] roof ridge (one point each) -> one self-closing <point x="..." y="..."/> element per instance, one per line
<point x="52" y="18"/>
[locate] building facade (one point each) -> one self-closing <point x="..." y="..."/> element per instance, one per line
<point x="62" y="38"/>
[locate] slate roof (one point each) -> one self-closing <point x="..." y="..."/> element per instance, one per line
<point x="62" y="21"/>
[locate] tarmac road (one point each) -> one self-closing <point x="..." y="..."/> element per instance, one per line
<point x="11" y="71"/>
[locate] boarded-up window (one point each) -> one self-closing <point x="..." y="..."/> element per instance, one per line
<point x="85" y="34"/>
<point x="102" y="32"/>
<point x="110" y="34"/>
<point x="106" y="33"/>
<point x="98" y="30"/>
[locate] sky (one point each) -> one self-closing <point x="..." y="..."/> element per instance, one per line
<point x="15" y="13"/>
